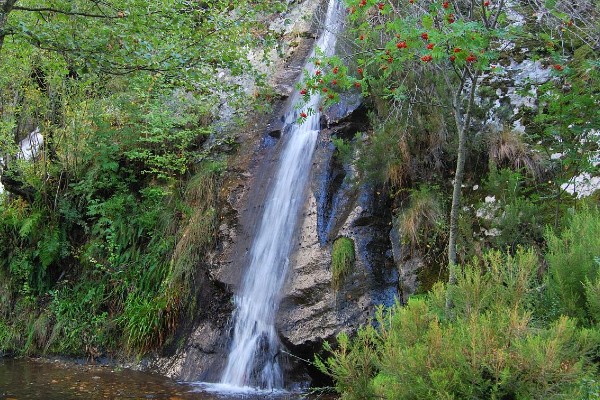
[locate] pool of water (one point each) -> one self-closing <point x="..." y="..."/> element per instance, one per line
<point x="22" y="379"/>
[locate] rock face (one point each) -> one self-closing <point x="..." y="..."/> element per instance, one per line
<point x="311" y="311"/>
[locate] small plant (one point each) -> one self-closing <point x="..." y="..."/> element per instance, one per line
<point x="508" y="148"/>
<point x="342" y="260"/>
<point x="424" y="216"/>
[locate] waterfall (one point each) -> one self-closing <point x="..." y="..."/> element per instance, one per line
<point x="253" y="357"/>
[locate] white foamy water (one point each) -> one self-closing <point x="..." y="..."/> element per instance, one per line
<point x="254" y="355"/>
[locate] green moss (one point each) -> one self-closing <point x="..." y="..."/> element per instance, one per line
<point x="342" y="260"/>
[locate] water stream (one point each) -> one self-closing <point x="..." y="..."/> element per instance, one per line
<point x="254" y="355"/>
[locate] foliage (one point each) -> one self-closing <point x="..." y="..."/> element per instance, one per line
<point x="80" y="321"/>
<point x="568" y="120"/>
<point x="573" y="268"/>
<point x="342" y="260"/>
<point x="513" y="217"/>
<point x="486" y="346"/>
<point x="103" y="229"/>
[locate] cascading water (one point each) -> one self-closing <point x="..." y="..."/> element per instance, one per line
<point x="253" y="357"/>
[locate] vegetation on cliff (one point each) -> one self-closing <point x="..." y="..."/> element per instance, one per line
<point x="506" y="336"/>
<point x="103" y="225"/>
<point x="485" y="136"/>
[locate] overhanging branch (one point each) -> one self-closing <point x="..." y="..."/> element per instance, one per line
<point x="64" y="12"/>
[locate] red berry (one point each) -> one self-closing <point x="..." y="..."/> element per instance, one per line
<point x="471" y="58"/>
<point x="425" y="36"/>
<point x="303" y="114"/>
<point x="380" y="6"/>
<point x="445" y="4"/>
<point x="335" y="70"/>
<point x="357" y="84"/>
<point x="303" y="92"/>
<point x="331" y="96"/>
<point x="363" y="3"/>
<point x="325" y="90"/>
<point x="411" y="1"/>
<point x="317" y="72"/>
<point x="401" y="45"/>
<point x="430" y="46"/>
<point x="486" y="3"/>
<point x="452" y="58"/>
<point x="361" y="37"/>
<point x="426" y="58"/>
<point x="451" y="18"/>
<point x="360" y="71"/>
<point x="390" y="60"/>
<point x="457" y="50"/>
<point x="558" y="67"/>
<point x="334" y="82"/>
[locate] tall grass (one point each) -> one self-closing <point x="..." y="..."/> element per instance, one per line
<point x="421" y="218"/>
<point x="342" y="260"/>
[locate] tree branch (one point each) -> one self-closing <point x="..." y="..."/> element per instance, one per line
<point x="73" y="13"/>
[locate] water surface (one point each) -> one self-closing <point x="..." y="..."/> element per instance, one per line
<point x="22" y="379"/>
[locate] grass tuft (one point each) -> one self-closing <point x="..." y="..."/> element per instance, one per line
<point x="424" y="215"/>
<point x="342" y="260"/>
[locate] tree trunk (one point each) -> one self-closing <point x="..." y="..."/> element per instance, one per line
<point x="5" y="9"/>
<point x="462" y="127"/>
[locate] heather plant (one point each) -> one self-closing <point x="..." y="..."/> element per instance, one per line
<point x="487" y="346"/>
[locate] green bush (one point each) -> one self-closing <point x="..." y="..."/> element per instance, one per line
<point x="342" y="260"/>
<point x="573" y="266"/>
<point x="143" y="322"/>
<point x="487" y="346"/>
<point x="517" y="219"/>
<point x="80" y="323"/>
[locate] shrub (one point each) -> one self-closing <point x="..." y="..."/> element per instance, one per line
<point x="342" y="260"/>
<point x="487" y="346"/>
<point x="515" y="218"/>
<point x="572" y="265"/>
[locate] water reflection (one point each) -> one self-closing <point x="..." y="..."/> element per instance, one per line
<point x="47" y="380"/>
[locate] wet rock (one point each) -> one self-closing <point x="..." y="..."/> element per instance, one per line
<point x="408" y="263"/>
<point x="311" y="311"/>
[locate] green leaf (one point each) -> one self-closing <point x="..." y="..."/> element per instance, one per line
<point x="427" y="21"/>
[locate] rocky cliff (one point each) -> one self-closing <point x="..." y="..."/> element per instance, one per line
<point x="311" y="310"/>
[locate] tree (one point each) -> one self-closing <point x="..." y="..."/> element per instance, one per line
<point x="441" y="49"/>
<point x="45" y="46"/>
